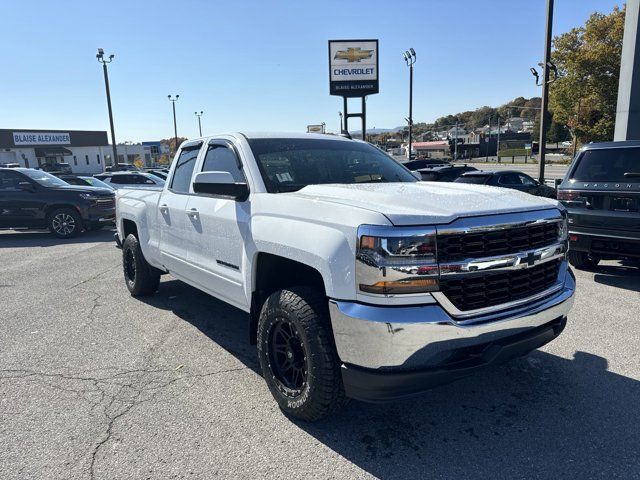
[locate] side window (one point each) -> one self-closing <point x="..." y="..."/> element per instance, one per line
<point x="509" y="179"/>
<point x="121" y="179"/>
<point x="9" y="182"/>
<point x="184" y="170"/>
<point x="526" y="180"/>
<point x="222" y="159"/>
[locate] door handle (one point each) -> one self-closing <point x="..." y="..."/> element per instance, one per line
<point x="193" y="212"/>
<point x="163" y="207"/>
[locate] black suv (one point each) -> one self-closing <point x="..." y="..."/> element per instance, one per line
<point x="35" y="199"/>
<point x="601" y="190"/>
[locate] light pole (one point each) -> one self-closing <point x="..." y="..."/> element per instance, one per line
<point x="104" y="62"/>
<point x="175" y="125"/>
<point x="410" y="58"/>
<point x="341" y="127"/>
<point x="546" y="66"/>
<point x="199" y="123"/>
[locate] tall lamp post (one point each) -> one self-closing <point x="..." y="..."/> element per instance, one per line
<point x="199" y="123"/>
<point x="104" y="62"/>
<point x="175" y="125"/>
<point x="410" y="58"/>
<point x="546" y="66"/>
<point x="341" y="127"/>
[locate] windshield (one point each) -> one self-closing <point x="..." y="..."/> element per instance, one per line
<point x="289" y="164"/>
<point x="608" y="165"/>
<point x="45" y="179"/>
<point x="94" y="182"/>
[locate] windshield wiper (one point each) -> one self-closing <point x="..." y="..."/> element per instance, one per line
<point x="632" y="174"/>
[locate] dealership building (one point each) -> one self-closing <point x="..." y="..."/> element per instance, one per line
<point x="85" y="151"/>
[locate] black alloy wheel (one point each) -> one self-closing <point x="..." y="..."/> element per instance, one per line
<point x="288" y="358"/>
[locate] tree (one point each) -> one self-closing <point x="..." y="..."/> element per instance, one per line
<point x="588" y="61"/>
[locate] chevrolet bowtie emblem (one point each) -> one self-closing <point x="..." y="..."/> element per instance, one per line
<point x="532" y="258"/>
<point x="352" y="54"/>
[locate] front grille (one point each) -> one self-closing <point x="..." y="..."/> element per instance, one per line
<point x="461" y="246"/>
<point x="106" y="202"/>
<point x="471" y="292"/>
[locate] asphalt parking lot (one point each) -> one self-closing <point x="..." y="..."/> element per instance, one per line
<point x="97" y="384"/>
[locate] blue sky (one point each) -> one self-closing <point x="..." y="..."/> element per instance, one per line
<point x="262" y="65"/>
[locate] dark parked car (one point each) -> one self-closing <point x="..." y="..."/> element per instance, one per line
<point x="447" y="173"/>
<point x="84" y="181"/>
<point x="122" y="167"/>
<point x="424" y="163"/>
<point x="509" y="179"/>
<point x="157" y="173"/>
<point x="35" y="199"/>
<point x="601" y="190"/>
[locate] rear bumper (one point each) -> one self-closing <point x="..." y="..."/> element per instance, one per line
<point x="604" y="243"/>
<point x="392" y="352"/>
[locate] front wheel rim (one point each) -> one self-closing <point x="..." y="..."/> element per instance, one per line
<point x="130" y="266"/>
<point x="287" y="358"/>
<point x="63" y="224"/>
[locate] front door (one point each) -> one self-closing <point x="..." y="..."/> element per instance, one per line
<point x="218" y="229"/>
<point x="18" y="207"/>
<point x="172" y="216"/>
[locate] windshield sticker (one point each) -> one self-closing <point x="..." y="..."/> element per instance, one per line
<point x="284" y="177"/>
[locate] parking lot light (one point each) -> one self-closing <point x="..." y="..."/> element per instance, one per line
<point x="104" y="62"/>
<point x="175" y="125"/>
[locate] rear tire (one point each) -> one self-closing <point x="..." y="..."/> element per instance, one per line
<point x="64" y="222"/>
<point x="141" y="278"/>
<point x="297" y="355"/>
<point x="582" y="260"/>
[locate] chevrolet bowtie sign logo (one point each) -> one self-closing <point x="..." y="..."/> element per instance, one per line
<point x="353" y="54"/>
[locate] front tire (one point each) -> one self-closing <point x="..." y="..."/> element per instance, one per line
<point x="65" y="222"/>
<point x="297" y="355"/>
<point x="141" y="278"/>
<point x="582" y="260"/>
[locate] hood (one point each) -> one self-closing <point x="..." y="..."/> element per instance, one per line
<point x="424" y="203"/>
<point x="82" y="189"/>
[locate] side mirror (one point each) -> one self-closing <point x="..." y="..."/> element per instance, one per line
<point x="26" y="186"/>
<point x="418" y="175"/>
<point x="220" y="184"/>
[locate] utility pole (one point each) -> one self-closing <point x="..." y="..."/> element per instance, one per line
<point x="199" y="124"/>
<point x="545" y="91"/>
<point x="104" y="62"/>
<point x="498" y="141"/>
<point x="175" y="125"/>
<point x="410" y="58"/>
<point x="455" y="145"/>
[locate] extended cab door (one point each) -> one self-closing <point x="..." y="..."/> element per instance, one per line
<point x="218" y="228"/>
<point x="172" y="217"/>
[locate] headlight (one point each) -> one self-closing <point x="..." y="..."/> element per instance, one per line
<point x="88" y="196"/>
<point x="563" y="228"/>
<point x="395" y="260"/>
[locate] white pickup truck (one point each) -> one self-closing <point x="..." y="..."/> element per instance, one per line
<point x="359" y="281"/>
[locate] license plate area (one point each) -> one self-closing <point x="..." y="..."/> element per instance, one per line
<point x="624" y="204"/>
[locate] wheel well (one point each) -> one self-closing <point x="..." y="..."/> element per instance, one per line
<point x="56" y="206"/>
<point x="129" y="226"/>
<point x="273" y="273"/>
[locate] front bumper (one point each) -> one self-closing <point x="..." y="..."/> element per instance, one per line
<point x="393" y="352"/>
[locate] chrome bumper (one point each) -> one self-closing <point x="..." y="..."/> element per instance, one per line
<point x="422" y="337"/>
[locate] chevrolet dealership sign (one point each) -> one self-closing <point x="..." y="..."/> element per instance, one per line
<point x="353" y="67"/>
<point x="41" y="138"/>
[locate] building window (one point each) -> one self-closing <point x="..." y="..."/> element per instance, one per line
<point x="75" y="160"/>
<point x="131" y="158"/>
<point x="98" y="157"/>
<point x="120" y="158"/>
<point x="86" y="157"/>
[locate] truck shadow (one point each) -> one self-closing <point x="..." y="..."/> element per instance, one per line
<point x="43" y="238"/>
<point x="626" y="276"/>
<point x="541" y="416"/>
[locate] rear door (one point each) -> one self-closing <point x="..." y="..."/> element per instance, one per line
<point x="18" y="207"/>
<point x="602" y="191"/>
<point x="217" y="228"/>
<point x="172" y="216"/>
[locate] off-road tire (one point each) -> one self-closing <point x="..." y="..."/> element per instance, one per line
<point x="141" y="278"/>
<point x="305" y="309"/>
<point x="64" y="222"/>
<point x="582" y="260"/>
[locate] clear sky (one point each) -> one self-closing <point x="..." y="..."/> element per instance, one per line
<point x="262" y="65"/>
